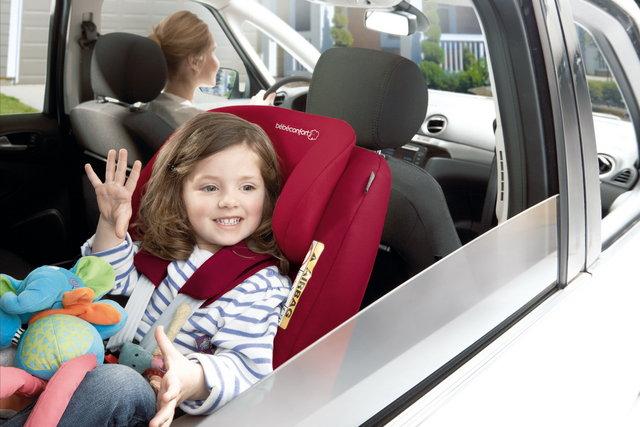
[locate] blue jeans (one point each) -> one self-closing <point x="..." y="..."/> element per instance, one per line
<point x="110" y="395"/>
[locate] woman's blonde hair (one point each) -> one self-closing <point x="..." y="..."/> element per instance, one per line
<point x="179" y="35"/>
<point x="162" y="220"/>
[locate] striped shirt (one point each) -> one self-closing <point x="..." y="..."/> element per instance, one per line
<point x="240" y="326"/>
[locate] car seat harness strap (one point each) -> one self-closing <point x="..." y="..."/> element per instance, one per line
<point x="223" y="271"/>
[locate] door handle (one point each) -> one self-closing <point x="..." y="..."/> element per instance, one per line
<point x="6" y="145"/>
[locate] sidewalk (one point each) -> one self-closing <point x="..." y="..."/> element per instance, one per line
<point x="32" y="95"/>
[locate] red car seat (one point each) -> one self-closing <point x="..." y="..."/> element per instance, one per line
<point x="334" y="193"/>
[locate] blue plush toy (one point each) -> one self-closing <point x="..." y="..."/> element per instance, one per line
<point x="64" y="321"/>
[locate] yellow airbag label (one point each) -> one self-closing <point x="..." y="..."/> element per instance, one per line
<point x="302" y="278"/>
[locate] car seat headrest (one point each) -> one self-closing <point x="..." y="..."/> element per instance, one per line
<point x="381" y="95"/>
<point x="127" y="67"/>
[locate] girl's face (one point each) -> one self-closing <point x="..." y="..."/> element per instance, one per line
<point x="224" y="196"/>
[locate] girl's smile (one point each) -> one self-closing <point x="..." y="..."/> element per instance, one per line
<point x="228" y="222"/>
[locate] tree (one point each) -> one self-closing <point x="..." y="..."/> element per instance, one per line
<point x="430" y="9"/>
<point x="431" y="50"/>
<point x="339" y="32"/>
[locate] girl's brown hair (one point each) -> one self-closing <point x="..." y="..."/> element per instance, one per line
<point x="162" y="220"/>
<point x="179" y="35"/>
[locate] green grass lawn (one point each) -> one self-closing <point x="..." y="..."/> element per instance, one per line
<point x="11" y="105"/>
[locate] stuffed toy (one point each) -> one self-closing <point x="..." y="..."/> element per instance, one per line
<point x="64" y="321"/>
<point x="151" y="363"/>
<point x="18" y="389"/>
<point x="64" y="336"/>
<point x="43" y="287"/>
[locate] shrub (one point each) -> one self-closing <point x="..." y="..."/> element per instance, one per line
<point x="339" y="33"/>
<point x="437" y="78"/>
<point x="475" y="73"/>
<point x="432" y="52"/>
<point x="605" y="92"/>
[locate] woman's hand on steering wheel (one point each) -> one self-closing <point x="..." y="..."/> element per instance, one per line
<point x="270" y="94"/>
<point x="261" y="99"/>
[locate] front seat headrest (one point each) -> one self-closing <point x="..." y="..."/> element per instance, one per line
<point x="127" y="67"/>
<point x="381" y="95"/>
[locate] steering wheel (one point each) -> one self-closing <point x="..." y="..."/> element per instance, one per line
<point x="277" y="85"/>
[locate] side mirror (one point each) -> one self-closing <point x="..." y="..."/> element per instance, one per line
<point x="227" y="84"/>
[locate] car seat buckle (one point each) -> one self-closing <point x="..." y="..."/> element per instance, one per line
<point x="371" y="178"/>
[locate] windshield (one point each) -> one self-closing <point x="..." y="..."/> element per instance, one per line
<point x="451" y="52"/>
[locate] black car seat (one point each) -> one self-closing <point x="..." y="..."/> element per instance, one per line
<point x="126" y="69"/>
<point x="384" y="98"/>
<point x="471" y="189"/>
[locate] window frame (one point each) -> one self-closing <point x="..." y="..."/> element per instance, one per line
<point x="620" y="46"/>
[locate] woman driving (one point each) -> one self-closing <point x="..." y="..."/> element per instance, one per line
<point x="189" y="49"/>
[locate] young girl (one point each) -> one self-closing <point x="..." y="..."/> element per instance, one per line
<point x="189" y="49"/>
<point x="214" y="184"/>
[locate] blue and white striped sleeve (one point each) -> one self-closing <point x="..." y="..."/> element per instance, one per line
<point x="244" y="343"/>
<point x="121" y="259"/>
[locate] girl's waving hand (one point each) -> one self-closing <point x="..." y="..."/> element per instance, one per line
<point x="114" y="196"/>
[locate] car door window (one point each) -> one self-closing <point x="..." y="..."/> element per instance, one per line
<point x="615" y="135"/>
<point x="24" y="32"/>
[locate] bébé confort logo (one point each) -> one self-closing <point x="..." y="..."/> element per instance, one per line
<point x="311" y="134"/>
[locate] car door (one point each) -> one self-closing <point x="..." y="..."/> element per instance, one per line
<point x="37" y="159"/>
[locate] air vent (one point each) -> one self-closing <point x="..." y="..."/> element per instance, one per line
<point x="605" y="163"/>
<point x="279" y="99"/>
<point x="436" y="124"/>
<point x="623" y="177"/>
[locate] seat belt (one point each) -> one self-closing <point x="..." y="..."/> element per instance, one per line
<point x="489" y="206"/>
<point x="87" y="41"/>
<point x="223" y="271"/>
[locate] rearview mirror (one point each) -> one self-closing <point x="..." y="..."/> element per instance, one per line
<point x="227" y="83"/>
<point x="404" y="19"/>
<point x="390" y="22"/>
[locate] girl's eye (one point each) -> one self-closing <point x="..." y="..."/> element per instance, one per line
<point x="248" y="187"/>
<point x="209" y="188"/>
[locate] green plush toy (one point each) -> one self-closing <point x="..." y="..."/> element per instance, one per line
<point x="64" y="320"/>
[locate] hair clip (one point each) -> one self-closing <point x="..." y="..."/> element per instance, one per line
<point x="172" y="167"/>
